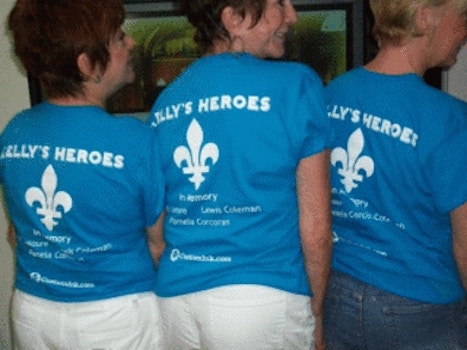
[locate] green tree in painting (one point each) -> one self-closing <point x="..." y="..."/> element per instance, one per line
<point x="319" y="40"/>
<point x="164" y="47"/>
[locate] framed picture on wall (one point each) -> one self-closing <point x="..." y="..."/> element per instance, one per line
<point x="164" y="47"/>
<point x="321" y="38"/>
<point x="328" y="37"/>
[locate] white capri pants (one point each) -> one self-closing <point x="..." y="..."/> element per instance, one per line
<point x="130" y="322"/>
<point x="238" y="317"/>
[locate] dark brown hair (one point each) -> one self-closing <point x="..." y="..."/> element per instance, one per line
<point x="49" y="35"/>
<point x="205" y="16"/>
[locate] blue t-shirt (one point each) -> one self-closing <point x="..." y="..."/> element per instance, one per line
<point x="399" y="166"/>
<point x="232" y="130"/>
<point x="81" y="186"/>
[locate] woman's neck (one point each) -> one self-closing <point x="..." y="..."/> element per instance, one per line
<point x="77" y="101"/>
<point x="396" y="60"/>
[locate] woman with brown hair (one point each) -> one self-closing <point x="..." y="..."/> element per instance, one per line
<point x="82" y="187"/>
<point x="244" y="148"/>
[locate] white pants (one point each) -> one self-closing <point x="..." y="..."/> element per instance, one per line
<point x="129" y="322"/>
<point x="238" y="317"/>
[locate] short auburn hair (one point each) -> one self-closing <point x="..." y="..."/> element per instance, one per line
<point x="49" y="35"/>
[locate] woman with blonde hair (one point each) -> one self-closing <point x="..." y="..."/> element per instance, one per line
<point x="399" y="165"/>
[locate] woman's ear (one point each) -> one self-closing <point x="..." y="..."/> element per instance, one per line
<point x="425" y="19"/>
<point x="86" y="68"/>
<point x="84" y="64"/>
<point x="232" y="21"/>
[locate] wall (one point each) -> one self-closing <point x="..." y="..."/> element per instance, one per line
<point x="14" y="97"/>
<point x="455" y="81"/>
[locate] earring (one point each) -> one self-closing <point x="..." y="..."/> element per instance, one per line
<point x="97" y="79"/>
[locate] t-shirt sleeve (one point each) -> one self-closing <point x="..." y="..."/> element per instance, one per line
<point x="310" y="121"/>
<point x="153" y="181"/>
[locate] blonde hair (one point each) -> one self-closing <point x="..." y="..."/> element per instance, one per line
<point x="395" y="19"/>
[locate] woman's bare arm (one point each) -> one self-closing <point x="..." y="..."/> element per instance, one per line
<point x="314" y="199"/>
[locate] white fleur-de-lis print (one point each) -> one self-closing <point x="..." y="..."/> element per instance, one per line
<point x="49" y="202"/>
<point x="193" y="159"/>
<point x="351" y="161"/>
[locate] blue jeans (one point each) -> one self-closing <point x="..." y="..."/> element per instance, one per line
<point x="360" y="317"/>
